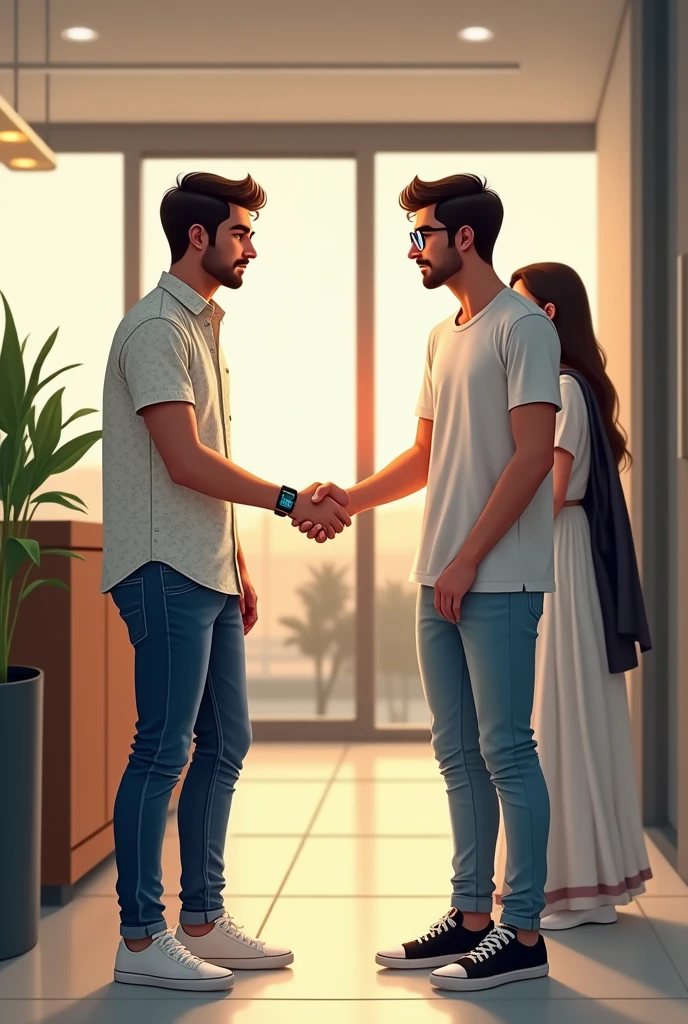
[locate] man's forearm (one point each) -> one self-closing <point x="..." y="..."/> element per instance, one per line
<point x="405" y="475"/>
<point x="513" y="493"/>
<point x="211" y="474"/>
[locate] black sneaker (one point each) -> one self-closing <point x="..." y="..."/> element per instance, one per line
<point x="498" y="959"/>
<point x="446" y="941"/>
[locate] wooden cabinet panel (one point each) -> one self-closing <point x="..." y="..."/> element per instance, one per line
<point x="80" y="642"/>
<point x="43" y="640"/>
<point x="88" y="717"/>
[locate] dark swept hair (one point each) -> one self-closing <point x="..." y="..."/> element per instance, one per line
<point x="560" y="284"/>
<point x="462" y="200"/>
<point x="203" y="198"/>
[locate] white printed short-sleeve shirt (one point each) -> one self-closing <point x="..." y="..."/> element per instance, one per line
<point x="166" y="349"/>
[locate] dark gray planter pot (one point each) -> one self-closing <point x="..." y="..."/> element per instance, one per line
<point x="21" y="757"/>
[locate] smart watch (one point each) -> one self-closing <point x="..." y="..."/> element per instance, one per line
<point x="286" y="501"/>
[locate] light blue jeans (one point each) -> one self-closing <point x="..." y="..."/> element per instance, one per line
<point x="478" y="677"/>
<point x="190" y="680"/>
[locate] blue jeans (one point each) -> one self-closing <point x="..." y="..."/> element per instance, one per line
<point x="479" y="677"/>
<point x="190" y="679"/>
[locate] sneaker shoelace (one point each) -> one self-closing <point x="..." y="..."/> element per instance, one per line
<point x="443" y="925"/>
<point x="499" y="937"/>
<point x="173" y="948"/>
<point x="229" y="926"/>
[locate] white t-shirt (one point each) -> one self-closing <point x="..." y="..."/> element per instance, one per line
<point x="475" y="373"/>
<point x="572" y="433"/>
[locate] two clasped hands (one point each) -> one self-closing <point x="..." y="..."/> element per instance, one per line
<point x="322" y="511"/>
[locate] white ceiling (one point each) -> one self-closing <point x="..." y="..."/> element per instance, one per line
<point x="563" y="49"/>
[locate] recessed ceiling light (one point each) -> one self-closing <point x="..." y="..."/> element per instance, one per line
<point x="12" y="136"/>
<point x="23" y="163"/>
<point x="79" y="34"/>
<point x="476" y="34"/>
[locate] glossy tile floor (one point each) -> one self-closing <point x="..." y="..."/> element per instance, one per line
<point x="337" y="851"/>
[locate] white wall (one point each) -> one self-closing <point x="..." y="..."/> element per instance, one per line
<point x="615" y="305"/>
<point x="614" y="232"/>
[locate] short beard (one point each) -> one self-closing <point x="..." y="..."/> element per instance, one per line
<point x="224" y="275"/>
<point x="436" y="276"/>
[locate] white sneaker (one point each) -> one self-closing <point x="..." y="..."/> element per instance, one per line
<point x="166" y="963"/>
<point x="560" y="920"/>
<point x="227" y="946"/>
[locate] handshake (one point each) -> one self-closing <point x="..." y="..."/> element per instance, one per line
<point x="321" y="511"/>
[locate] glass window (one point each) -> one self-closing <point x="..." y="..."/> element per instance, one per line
<point x="62" y="265"/>
<point x="289" y="338"/>
<point x="550" y="214"/>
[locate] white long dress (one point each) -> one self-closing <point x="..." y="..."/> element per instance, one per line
<point x="596" y="854"/>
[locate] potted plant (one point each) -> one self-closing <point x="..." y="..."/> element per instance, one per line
<point x="30" y="453"/>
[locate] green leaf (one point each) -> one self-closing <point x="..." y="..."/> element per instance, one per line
<point x="57" y="373"/>
<point x="74" y="497"/>
<point x="17" y="550"/>
<point x="49" y="495"/>
<point x="42" y="583"/>
<point x="31" y="423"/>
<point x="62" y="553"/>
<point x="8" y="460"/>
<point x="33" y="385"/>
<point x="56" y="498"/>
<point x="36" y="472"/>
<point x="78" y="415"/>
<point x="49" y="427"/>
<point x="23" y="344"/>
<point x="12" y="374"/>
<point x="71" y="452"/>
<point x="25" y="484"/>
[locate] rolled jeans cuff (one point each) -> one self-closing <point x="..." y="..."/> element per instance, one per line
<point x="201" y="916"/>
<point x="528" y="924"/>
<point x="143" y="931"/>
<point x="473" y="906"/>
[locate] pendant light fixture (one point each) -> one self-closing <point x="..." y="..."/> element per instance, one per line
<point x="21" y="148"/>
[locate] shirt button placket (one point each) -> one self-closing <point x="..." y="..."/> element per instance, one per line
<point x="206" y="323"/>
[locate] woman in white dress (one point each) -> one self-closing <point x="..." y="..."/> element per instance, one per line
<point x="597" y="858"/>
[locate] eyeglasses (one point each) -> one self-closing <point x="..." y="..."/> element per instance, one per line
<point x="418" y="236"/>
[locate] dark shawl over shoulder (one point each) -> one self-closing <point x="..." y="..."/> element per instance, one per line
<point x="613" y="551"/>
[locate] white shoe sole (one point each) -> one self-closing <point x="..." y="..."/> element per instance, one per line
<point x="179" y="984"/>
<point x="396" y="962"/>
<point x="562" y="927"/>
<point x="258" y="963"/>
<point x="478" y="984"/>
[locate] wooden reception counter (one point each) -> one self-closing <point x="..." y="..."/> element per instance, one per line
<point x="80" y="642"/>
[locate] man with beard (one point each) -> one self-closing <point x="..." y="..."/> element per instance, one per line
<point x="485" y="449"/>
<point x="174" y="567"/>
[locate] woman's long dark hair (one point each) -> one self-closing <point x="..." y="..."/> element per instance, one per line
<point x="559" y="284"/>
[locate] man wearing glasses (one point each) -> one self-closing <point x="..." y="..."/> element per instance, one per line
<point x="484" y="448"/>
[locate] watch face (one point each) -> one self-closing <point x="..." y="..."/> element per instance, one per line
<point x="287" y="500"/>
